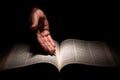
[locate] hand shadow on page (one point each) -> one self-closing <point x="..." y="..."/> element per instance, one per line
<point x="35" y="48"/>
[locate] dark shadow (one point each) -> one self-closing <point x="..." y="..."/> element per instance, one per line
<point x="43" y="71"/>
<point x="35" y="47"/>
<point x="87" y="72"/>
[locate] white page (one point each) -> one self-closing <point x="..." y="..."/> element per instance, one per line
<point x="67" y="55"/>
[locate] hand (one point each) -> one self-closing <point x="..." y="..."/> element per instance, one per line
<point x="41" y="25"/>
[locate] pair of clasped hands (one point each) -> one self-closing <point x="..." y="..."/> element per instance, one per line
<point x="39" y="22"/>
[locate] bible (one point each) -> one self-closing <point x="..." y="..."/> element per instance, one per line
<point x="74" y="59"/>
<point x="69" y="51"/>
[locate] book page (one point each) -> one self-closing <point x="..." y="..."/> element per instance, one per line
<point x="100" y="51"/>
<point x="85" y="52"/>
<point x="82" y="52"/>
<point x="52" y="59"/>
<point x="45" y="58"/>
<point x="20" y="55"/>
<point x="67" y="55"/>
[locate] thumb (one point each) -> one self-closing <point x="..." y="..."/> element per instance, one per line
<point x="34" y="19"/>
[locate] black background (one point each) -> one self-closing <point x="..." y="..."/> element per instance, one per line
<point x="70" y="19"/>
<point x="47" y="71"/>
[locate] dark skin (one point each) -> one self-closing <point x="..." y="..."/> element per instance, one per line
<point x="41" y="25"/>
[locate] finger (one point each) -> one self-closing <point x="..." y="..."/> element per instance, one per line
<point x="51" y="40"/>
<point x="49" y="45"/>
<point x="42" y="44"/>
<point x="41" y="41"/>
<point x="45" y="44"/>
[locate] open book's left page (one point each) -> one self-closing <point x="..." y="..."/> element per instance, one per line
<point x="20" y="56"/>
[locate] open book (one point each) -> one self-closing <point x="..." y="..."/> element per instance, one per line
<point x="70" y="51"/>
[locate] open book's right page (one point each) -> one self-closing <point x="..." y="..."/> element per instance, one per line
<point x="85" y="52"/>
